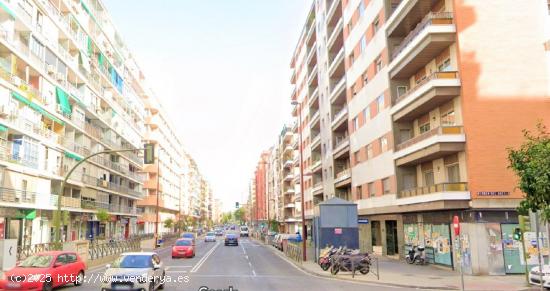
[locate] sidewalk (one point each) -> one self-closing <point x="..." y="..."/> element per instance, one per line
<point x="398" y="273"/>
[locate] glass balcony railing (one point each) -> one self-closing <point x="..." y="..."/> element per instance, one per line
<point x="434" y="76"/>
<point x="442" y="187"/>
<point x="441" y="130"/>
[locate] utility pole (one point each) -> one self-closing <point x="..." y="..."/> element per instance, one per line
<point x="157" y="204"/>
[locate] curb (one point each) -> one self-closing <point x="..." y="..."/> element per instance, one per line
<point x="321" y="275"/>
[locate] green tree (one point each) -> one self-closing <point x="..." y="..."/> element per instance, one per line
<point x="239" y="215"/>
<point x="226" y="217"/>
<point x="103" y="216"/>
<point x="168" y="223"/>
<point x="273" y="225"/>
<point x="531" y="163"/>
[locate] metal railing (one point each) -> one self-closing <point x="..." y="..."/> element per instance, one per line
<point x="342" y="175"/>
<point x="25" y="251"/>
<point x="99" y="250"/>
<point x="17" y="196"/>
<point x="430" y="18"/>
<point x="8" y="154"/>
<point x="442" y="187"/>
<point x="440" y="130"/>
<point x="340" y="113"/>
<point x="433" y="76"/>
<point x="294" y="252"/>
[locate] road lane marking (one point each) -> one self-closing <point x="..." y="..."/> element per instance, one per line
<point x="177" y="267"/>
<point x="203" y="259"/>
<point x="253" y="272"/>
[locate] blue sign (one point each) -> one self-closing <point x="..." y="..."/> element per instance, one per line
<point x="363" y="220"/>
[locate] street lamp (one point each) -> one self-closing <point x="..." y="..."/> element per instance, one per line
<point x="304" y="235"/>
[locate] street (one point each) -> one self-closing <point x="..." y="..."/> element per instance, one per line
<point x="249" y="266"/>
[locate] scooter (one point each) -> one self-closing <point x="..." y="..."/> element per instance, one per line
<point x="416" y="255"/>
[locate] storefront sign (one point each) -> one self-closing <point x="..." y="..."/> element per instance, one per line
<point x="337" y="231"/>
<point x="363" y="220"/>
<point x="1" y="228"/>
<point x="493" y="193"/>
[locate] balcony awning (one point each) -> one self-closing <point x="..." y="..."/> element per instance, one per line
<point x="36" y="107"/>
<point x="73" y="156"/>
<point x="85" y="7"/>
<point x="7" y="9"/>
<point x="3" y="128"/>
<point x="63" y="100"/>
<point x="89" y="46"/>
<point x="89" y="193"/>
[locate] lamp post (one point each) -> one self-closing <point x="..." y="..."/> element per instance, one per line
<point x="304" y="235"/>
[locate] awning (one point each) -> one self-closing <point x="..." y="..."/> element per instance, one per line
<point x="36" y="107"/>
<point x="89" y="46"/>
<point x="73" y="156"/>
<point x="3" y="128"/>
<point x="63" y="100"/>
<point x="89" y="193"/>
<point x="100" y="59"/>
<point x="7" y="9"/>
<point x="84" y="7"/>
<point x="29" y="214"/>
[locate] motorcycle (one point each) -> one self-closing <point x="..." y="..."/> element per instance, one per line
<point x="351" y="262"/>
<point x="416" y="255"/>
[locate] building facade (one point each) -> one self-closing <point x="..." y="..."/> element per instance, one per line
<point x="415" y="103"/>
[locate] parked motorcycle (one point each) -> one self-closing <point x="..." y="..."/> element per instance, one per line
<point x="351" y="263"/>
<point x="416" y="255"/>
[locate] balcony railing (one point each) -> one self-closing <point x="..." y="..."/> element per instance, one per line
<point x="70" y="202"/>
<point x="340" y="140"/>
<point x="317" y="187"/>
<point x="342" y="175"/>
<point x="433" y="76"/>
<point x="441" y="130"/>
<point x="9" y="153"/>
<point x="340" y="114"/>
<point x="17" y="196"/>
<point x="442" y="187"/>
<point x="430" y="18"/>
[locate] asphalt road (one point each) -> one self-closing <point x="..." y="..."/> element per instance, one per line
<point x="249" y="266"/>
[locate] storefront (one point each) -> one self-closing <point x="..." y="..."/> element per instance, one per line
<point x="382" y="234"/>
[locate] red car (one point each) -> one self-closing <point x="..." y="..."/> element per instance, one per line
<point x="45" y="271"/>
<point x="183" y="249"/>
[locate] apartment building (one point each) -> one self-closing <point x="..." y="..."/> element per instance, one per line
<point x="69" y="88"/>
<point x="273" y="180"/>
<point x="260" y="189"/>
<point x="418" y="101"/>
<point x="164" y="177"/>
<point x="193" y="180"/>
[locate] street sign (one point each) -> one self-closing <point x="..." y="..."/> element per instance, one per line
<point x="363" y="220"/>
<point x="237" y="205"/>
<point x="149" y="154"/>
<point x="337" y="231"/>
<point x="456" y="225"/>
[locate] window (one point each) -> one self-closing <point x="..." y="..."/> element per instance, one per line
<point x="384" y="144"/>
<point x="424" y="124"/>
<point x="366" y="113"/>
<point x="355" y="123"/>
<point x="453" y="174"/>
<point x="369" y="152"/>
<point x="378" y="64"/>
<point x="71" y="258"/>
<point x="363" y="43"/>
<point x="375" y="25"/>
<point x="445" y="66"/>
<point x="37" y="48"/>
<point x="361" y="8"/>
<point x="401" y="90"/>
<point x="370" y="188"/>
<point x="352" y="58"/>
<point x="61" y="259"/>
<point x="357" y="157"/>
<point x="380" y="102"/>
<point x="448" y="118"/>
<point x="429" y="178"/>
<point x="376" y="233"/>
<point x="386" y="186"/>
<point x="359" y="192"/>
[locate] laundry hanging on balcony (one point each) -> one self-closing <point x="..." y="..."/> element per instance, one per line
<point x="35" y="107"/>
<point x="84" y="61"/>
<point x="116" y="79"/>
<point x="63" y="101"/>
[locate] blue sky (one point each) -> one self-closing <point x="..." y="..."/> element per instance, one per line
<point x="221" y="69"/>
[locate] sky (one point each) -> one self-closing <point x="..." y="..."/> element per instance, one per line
<point x="221" y="70"/>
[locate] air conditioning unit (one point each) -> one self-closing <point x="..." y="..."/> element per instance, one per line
<point x="51" y="69"/>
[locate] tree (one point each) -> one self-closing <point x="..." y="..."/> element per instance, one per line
<point x="103" y="216"/>
<point x="531" y="163"/>
<point x="273" y="225"/>
<point x="226" y="217"/>
<point x="239" y="215"/>
<point x="168" y="223"/>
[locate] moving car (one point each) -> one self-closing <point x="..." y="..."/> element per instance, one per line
<point x="189" y="235"/>
<point x="535" y="276"/>
<point x="219" y="232"/>
<point x="244" y="230"/>
<point x="231" y="239"/>
<point x="45" y="271"/>
<point x="134" y="271"/>
<point x="183" y="248"/>
<point x="210" y="236"/>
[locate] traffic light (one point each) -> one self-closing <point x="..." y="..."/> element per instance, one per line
<point x="237" y="205"/>
<point x="149" y="155"/>
<point x="517" y="233"/>
<point x="524" y="223"/>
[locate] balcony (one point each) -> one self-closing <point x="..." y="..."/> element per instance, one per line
<point x="340" y="117"/>
<point x="336" y="89"/>
<point x="332" y="10"/>
<point x="288" y="178"/>
<point x="430" y="145"/>
<point x="439" y="196"/>
<point x="17" y="155"/>
<point x="341" y="146"/>
<point x="335" y="33"/>
<point x="343" y="178"/>
<point x="316" y="166"/>
<point x="17" y="196"/>
<point x="430" y="37"/>
<point x="289" y="191"/>
<point x="315" y="140"/>
<point x="289" y="205"/>
<point x="312" y="51"/>
<point x="436" y="89"/>
<point x="314" y="97"/>
<point x="317" y="189"/>
<point x="314" y="119"/>
<point x="70" y="202"/>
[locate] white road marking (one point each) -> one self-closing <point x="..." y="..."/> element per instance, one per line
<point x="203" y="259"/>
<point x="253" y="272"/>
<point x="175" y="272"/>
<point x="177" y="267"/>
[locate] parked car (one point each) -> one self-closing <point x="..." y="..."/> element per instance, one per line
<point x="189" y="235"/>
<point x="210" y="236"/>
<point x="45" y="271"/>
<point x="535" y="276"/>
<point x="244" y="231"/>
<point x="231" y="239"/>
<point x="134" y="271"/>
<point x="279" y="239"/>
<point x="183" y="248"/>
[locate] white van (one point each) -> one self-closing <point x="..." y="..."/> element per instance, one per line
<point x="244" y="230"/>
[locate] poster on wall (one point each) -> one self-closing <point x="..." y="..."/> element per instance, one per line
<point x="530" y="239"/>
<point x="2" y="228"/>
